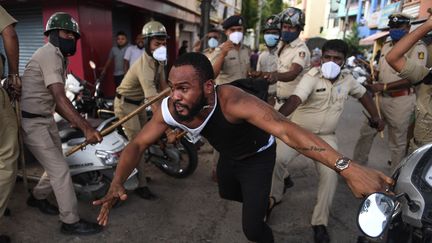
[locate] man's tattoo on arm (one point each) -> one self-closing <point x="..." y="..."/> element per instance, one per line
<point x="311" y="148"/>
<point x="270" y="114"/>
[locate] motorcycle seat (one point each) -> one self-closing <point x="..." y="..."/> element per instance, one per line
<point x="70" y="133"/>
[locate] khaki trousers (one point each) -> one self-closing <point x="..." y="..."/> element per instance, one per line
<point x="327" y="179"/>
<point x="9" y="149"/>
<point x="41" y="137"/>
<point x="422" y="131"/>
<point x="397" y="113"/>
<point x="132" y="127"/>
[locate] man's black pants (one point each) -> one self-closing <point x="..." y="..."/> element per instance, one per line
<point x="249" y="181"/>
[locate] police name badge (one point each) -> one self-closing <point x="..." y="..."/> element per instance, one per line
<point x="302" y="54"/>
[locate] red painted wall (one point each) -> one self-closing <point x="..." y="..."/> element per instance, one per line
<point x="96" y="26"/>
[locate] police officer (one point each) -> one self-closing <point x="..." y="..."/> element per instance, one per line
<point x="43" y="93"/>
<point x="268" y="59"/>
<point x="420" y="76"/>
<point x="316" y="105"/>
<point x="293" y="54"/>
<point x="213" y="39"/>
<point x="8" y="123"/>
<point x="293" y="62"/>
<point x="231" y="60"/>
<point x="397" y="105"/>
<point x="142" y="82"/>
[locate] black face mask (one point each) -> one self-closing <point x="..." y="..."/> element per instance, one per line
<point x="67" y="46"/>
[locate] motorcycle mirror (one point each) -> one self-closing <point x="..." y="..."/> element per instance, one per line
<point x="92" y="64"/>
<point x="375" y="214"/>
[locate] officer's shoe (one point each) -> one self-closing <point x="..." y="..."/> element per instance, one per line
<point x="4" y="239"/>
<point x="82" y="227"/>
<point x="320" y="234"/>
<point x="43" y="205"/>
<point x="145" y="193"/>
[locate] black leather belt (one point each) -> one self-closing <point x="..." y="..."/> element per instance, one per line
<point x="26" y="114"/>
<point x="127" y="100"/>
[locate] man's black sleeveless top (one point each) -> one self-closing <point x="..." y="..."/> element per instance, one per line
<point x="235" y="141"/>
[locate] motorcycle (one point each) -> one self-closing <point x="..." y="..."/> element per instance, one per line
<point x="178" y="160"/>
<point x="406" y="215"/>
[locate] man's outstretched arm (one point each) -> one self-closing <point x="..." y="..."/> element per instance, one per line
<point x="242" y="106"/>
<point x="129" y="160"/>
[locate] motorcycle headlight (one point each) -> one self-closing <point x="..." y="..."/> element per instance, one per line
<point x="108" y="157"/>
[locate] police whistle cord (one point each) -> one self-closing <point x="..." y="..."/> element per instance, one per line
<point x="111" y="128"/>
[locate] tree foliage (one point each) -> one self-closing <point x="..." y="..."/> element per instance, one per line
<point x="353" y="40"/>
<point x="250" y="10"/>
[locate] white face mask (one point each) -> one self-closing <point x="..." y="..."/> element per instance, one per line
<point x="236" y="37"/>
<point x="330" y="70"/>
<point x="160" y="54"/>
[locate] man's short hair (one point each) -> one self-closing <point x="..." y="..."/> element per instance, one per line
<point x="121" y="33"/>
<point x="199" y="62"/>
<point x="336" y="45"/>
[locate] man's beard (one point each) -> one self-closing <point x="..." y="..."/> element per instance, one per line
<point x="193" y="111"/>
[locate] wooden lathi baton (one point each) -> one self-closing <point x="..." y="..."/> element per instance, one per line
<point x="111" y="128"/>
<point x="21" y="146"/>
<point x="377" y="103"/>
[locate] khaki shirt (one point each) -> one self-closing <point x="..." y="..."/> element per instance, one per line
<point x="294" y="52"/>
<point x="208" y="52"/>
<point x="236" y="64"/>
<point x="139" y="82"/>
<point x="323" y="101"/>
<point x="5" y="20"/>
<point x="268" y="61"/>
<point x="417" y="53"/>
<point x="47" y="66"/>
<point x="415" y="72"/>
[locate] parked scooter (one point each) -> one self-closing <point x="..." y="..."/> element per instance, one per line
<point x="178" y="160"/>
<point x="92" y="169"/>
<point x="406" y="215"/>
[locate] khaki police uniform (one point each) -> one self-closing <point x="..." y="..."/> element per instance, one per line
<point x="268" y="62"/>
<point x="236" y="64"/>
<point x="396" y="107"/>
<point x="139" y="83"/>
<point x="40" y="134"/>
<point x="423" y="112"/>
<point x="319" y="113"/>
<point x="208" y="52"/>
<point x="9" y="149"/>
<point x="294" y="52"/>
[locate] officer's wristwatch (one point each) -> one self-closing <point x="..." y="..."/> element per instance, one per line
<point x="342" y="164"/>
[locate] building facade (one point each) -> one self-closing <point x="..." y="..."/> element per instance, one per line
<point x="99" y="21"/>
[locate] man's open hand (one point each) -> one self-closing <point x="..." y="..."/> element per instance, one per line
<point x="114" y="193"/>
<point x="364" y="181"/>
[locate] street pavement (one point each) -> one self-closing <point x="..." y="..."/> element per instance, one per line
<point x="190" y="210"/>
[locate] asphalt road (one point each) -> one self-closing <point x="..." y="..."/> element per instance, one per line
<point x="189" y="210"/>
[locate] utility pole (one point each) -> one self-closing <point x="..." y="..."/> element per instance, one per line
<point x="205" y="21"/>
<point x="258" y="24"/>
<point x="346" y="24"/>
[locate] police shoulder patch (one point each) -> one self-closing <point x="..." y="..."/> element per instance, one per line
<point x="421" y="55"/>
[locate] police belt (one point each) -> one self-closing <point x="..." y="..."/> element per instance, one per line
<point x="26" y="114"/>
<point x="398" y="93"/>
<point x="127" y="100"/>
